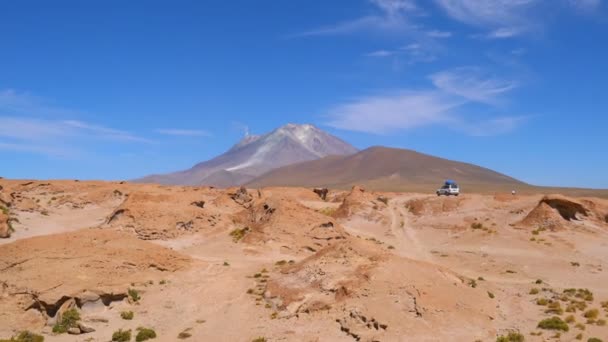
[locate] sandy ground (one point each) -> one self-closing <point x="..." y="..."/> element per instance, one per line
<point x="284" y="265"/>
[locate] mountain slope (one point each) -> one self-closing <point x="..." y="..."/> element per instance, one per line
<point x="382" y="168"/>
<point x="256" y="155"/>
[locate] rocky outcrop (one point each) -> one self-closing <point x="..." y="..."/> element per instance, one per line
<point x="5" y="225"/>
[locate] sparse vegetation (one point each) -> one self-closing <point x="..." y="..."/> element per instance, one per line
<point x="259" y="339"/>
<point x="238" y="234"/>
<point x="511" y="337"/>
<point x="134" y="295"/>
<point x="127" y="315"/>
<point x="554" y="308"/>
<point x="591" y="314"/>
<point x="511" y="271"/>
<point x="594" y="339"/>
<point x="534" y="291"/>
<point x="570" y="319"/>
<point x="553" y="323"/>
<point x="184" y="335"/>
<point x="601" y="322"/>
<point x="328" y="211"/>
<point x="575" y="263"/>
<point x="144" y="334"/>
<point x="542" y="301"/>
<point x="383" y="199"/>
<point x="281" y="263"/>
<point x="472" y="283"/>
<point x="491" y="295"/>
<point x="538" y="281"/>
<point x="163" y="282"/>
<point x="69" y="319"/>
<point x="579" y="336"/>
<point x="477" y="225"/>
<point x="121" y="336"/>
<point x="226" y="263"/>
<point x="25" y="336"/>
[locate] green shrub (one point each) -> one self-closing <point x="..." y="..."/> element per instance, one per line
<point x="553" y="323"/>
<point x="542" y="301"/>
<point x="69" y="319"/>
<point x="144" y="334"/>
<point x="238" y="234"/>
<point x="25" y="336"/>
<point x="128" y="315"/>
<point x="134" y="295"/>
<point x="592" y="314"/>
<point x="121" y="336"/>
<point x="511" y="337"/>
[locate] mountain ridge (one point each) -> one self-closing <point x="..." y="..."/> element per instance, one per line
<point x="255" y="155"/>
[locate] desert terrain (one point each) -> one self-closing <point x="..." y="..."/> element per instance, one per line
<point x="80" y="261"/>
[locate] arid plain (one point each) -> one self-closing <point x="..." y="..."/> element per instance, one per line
<point x="282" y="264"/>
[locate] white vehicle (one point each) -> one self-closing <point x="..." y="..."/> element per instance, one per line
<point x="448" y="189"/>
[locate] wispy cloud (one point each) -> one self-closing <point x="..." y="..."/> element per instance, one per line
<point x="472" y="83"/>
<point x="184" y="132"/>
<point x="411" y="54"/>
<point x="29" y="124"/>
<point x="391" y="17"/>
<point x="441" y="105"/>
<point x="504" y="18"/>
<point x="439" y="34"/>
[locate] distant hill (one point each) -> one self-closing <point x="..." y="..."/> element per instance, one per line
<point x="256" y="155"/>
<point x="387" y="169"/>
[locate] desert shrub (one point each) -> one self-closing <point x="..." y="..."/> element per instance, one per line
<point x="542" y="301"/>
<point x="383" y="199"/>
<point x="259" y="339"/>
<point x="69" y="319"/>
<point x="25" y="336"/>
<point x="579" y="326"/>
<point x="163" y="282"/>
<point x="257" y="275"/>
<point x="592" y="314"/>
<point x="472" y="283"/>
<point x="538" y="281"/>
<point x="274" y="315"/>
<point x="553" y="323"/>
<point x="328" y="211"/>
<point x="128" y="315"/>
<point x="570" y="319"/>
<point x="554" y="308"/>
<point x="594" y="339"/>
<point x="477" y="225"/>
<point x="575" y="263"/>
<point x="226" y="263"/>
<point x="134" y="295"/>
<point x="491" y="295"/>
<point x="601" y="322"/>
<point x="184" y="335"/>
<point x="510" y="271"/>
<point x="144" y="334"/>
<point x="280" y="262"/>
<point x="511" y="337"/>
<point x="238" y="234"/>
<point x="121" y="336"/>
<point x="534" y="291"/>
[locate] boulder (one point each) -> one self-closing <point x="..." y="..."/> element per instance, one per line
<point x="74" y="331"/>
<point x="67" y="305"/>
<point x="85" y="329"/>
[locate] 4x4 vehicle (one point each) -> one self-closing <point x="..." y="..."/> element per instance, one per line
<point x="449" y="188"/>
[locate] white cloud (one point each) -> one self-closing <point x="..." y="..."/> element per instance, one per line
<point x="472" y="84"/>
<point x="439" y="34"/>
<point x="392" y="17"/>
<point x="441" y="105"/>
<point x="504" y="18"/>
<point x="387" y="113"/>
<point x="29" y="124"/>
<point x="184" y="132"/>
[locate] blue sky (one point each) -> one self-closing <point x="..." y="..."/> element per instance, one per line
<point x="120" y="89"/>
